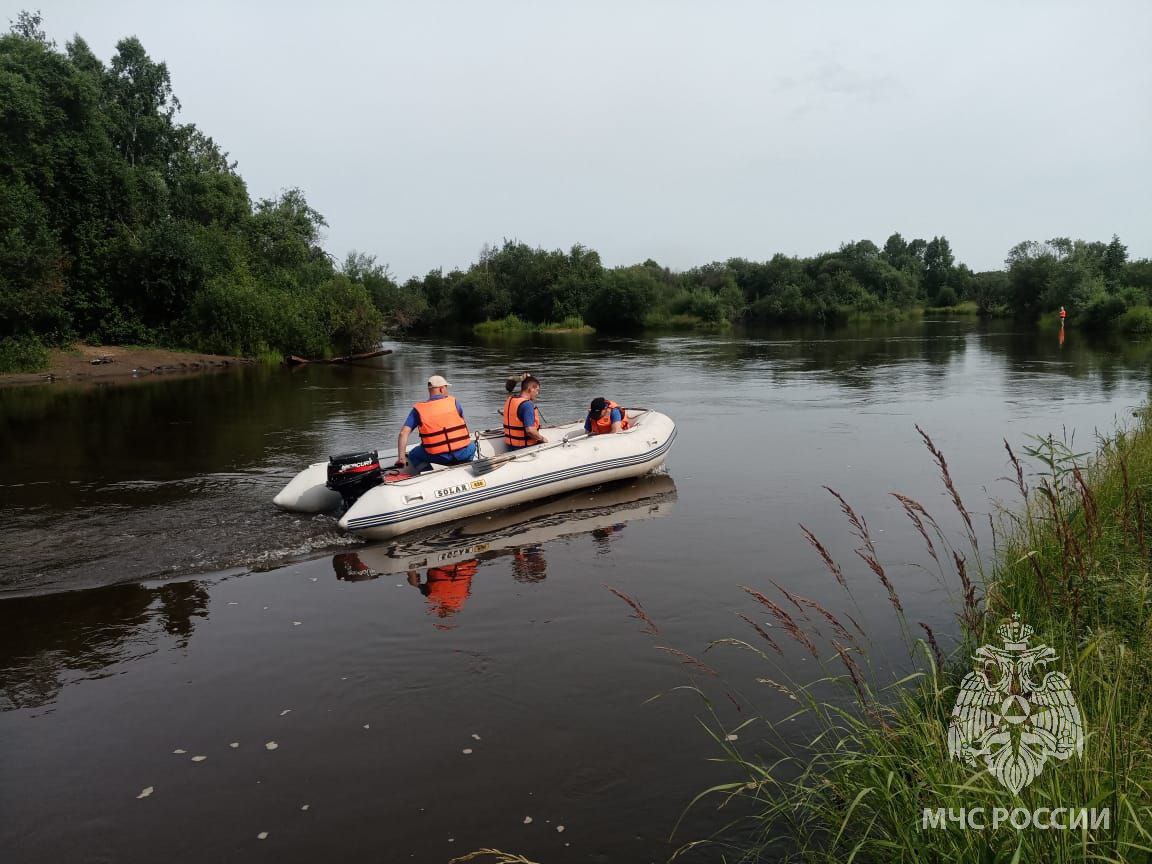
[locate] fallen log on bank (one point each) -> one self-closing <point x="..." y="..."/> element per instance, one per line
<point x="293" y="360"/>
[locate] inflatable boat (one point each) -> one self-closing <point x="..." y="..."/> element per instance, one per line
<point x="601" y="512"/>
<point x="379" y="503"/>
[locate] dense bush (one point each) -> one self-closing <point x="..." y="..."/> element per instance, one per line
<point x="1100" y="310"/>
<point x="990" y="291"/>
<point x="789" y="304"/>
<point x="235" y="318"/>
<point x="241" y="318"/>
<point x="698" y="303"/>
<point x="1137" y="321"/>
<point x="22" y="354"/>
<point x="120" y="224"/>
<point x="946" y="296"/>
<point x="622" y="300"/>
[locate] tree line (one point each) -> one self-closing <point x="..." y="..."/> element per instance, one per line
<point x="120" y="224"/>
<point x="1095" y="281"/>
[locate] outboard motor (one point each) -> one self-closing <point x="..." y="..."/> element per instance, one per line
<point x="353" y="474"/>
<point x="349" y="568"/>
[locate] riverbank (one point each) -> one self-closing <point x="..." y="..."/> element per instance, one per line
<point x="1071" y="561"/>
<point x="513" y="324"/>
<point x="659" y="320"/>
<point x="98" y="363"/>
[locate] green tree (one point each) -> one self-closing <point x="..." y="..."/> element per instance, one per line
<point x="204" y="187"/>
<point x="284" y="234"/>
<point x="1032" y="268"/>
<point x="142" y="106"/>
<point x="896" y="250"/>
<point x="1114" y="263"/>
<point x="27" y="26"/>
<point x="991" y="291"/>
<point x="119" y="223"/>
<point x="938" y="270"/>
<point x="1138" y="275"/>
<point x="623" y="299"/>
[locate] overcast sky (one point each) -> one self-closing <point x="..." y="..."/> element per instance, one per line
<point x="681" y="131"/>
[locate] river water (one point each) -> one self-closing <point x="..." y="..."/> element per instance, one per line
<point x="154" y="606"/>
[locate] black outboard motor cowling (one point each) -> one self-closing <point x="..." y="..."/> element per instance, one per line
<point x="353" y="474"/>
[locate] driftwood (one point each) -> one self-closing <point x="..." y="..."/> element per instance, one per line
<point x="293" y="360"/>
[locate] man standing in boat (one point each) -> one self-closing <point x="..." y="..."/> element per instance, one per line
<point x="444" y="435"/>
<point x="521" y="420"/>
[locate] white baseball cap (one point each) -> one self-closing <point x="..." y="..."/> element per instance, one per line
<point x="438" y="381"/>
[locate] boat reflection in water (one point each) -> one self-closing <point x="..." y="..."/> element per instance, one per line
<point x="442" y="565"/>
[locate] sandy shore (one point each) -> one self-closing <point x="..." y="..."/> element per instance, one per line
<point x="119" y="363"/>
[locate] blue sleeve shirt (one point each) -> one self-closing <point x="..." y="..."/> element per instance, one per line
<point x="527" y="413"/>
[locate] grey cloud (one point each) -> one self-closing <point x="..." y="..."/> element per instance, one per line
<point x="834" y="79"/>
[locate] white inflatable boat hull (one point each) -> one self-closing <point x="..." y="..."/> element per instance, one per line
<point x="502" y="533"/>
<point x="460" y="491"/>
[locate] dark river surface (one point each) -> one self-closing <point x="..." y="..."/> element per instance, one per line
<point x="155" y="607"/>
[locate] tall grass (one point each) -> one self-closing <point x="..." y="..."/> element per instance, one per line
<point x="965" y="307"/>
<point x="493" y="856"/>
<point x="662" y="319"/>
<point x="512" y="324"/>
<point x="1072" y="559"/>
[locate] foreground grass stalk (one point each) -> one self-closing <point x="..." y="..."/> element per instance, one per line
<point x="1071" y="561"/>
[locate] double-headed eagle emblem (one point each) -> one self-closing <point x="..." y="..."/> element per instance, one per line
<point x="1007" y="719"/>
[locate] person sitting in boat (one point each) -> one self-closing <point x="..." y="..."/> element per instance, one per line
<point x="605" y="416"/>
<point x="515" y="381"/>
<point x="521" y="419"/>
<point x="444" y="435"/>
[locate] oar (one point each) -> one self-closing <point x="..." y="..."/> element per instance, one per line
<point x="485" y="466"/>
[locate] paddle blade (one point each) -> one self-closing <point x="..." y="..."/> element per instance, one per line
<point x="484" y="466"/>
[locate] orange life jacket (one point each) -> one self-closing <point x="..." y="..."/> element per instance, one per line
<point x="603" y="425"/>
<point x="442" y="429"/>
<point x="449" y="585"/>
<point x="450" y="572"/>
<point x="515" y="432"/>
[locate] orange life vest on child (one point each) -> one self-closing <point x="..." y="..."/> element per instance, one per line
<point x="442" y="429"/>
<point x="515" y="432"/>
<point x="603" y="425"/>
